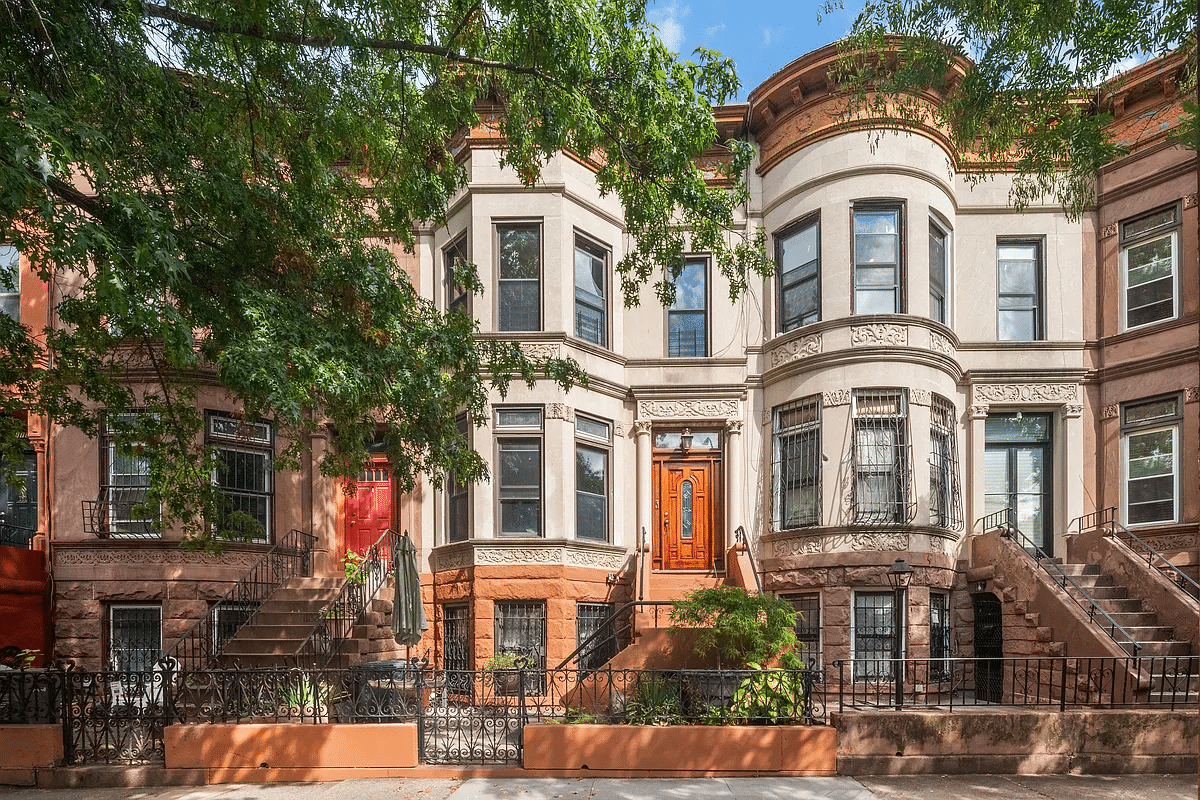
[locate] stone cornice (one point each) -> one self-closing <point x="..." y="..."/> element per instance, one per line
<point x="528" y="552"/>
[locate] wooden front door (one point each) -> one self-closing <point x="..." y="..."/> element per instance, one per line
<point x="688" y="505"/>
<point x="369" y="508"/>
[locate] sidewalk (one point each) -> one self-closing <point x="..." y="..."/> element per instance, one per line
<point x="914" y="787"/>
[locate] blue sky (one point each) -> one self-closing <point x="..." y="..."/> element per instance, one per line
<point x="761" y="37"/>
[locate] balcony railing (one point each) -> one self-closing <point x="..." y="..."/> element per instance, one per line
<point x="14" y="536"/>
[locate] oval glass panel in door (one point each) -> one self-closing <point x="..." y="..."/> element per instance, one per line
<point x="685" y="510"/>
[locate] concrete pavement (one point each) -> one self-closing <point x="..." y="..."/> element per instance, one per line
<point x="909" y="787"/>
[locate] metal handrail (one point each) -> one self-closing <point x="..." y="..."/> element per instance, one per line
<point x="740" y="537"/>
<point x="603" y="628"/>
<point x="16" y="536"/>
<point x="292" y="554"/>
<point x="1006" y="520"/>
<point x="1108" y="516"/>
<point x="337" y="619"/>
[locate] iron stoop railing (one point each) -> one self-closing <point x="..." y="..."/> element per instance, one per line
<point x="1138" y="548"/>
<point x="614" y="631"/>
<point x="338" y="618"/>
<point x="1006" y="520"/>
<point x="202" y="644"/>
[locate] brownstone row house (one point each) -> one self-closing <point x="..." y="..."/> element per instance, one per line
<point x="925" y="356"/>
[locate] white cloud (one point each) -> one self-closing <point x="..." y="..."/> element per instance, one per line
<point x="714" y="30"/>
<point x="669" y="21"/>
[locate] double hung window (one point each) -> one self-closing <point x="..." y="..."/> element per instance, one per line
<point x="10" y="281"/>
<point x="125" y="480"/>
<point x="453" y="257"/>
<point x="591" y="303"/>
<point x="1150" y="444"/>
<point x="874" y="635"/>
<point x="798" y="259"/>
<point x="945" y="494"/>
<point x="882" y="483"/>
<point x="520" y="249"/>
<point x="458" y="496"/>
<point x="1150" y="267"/>
<point x="244" y="476"/>
<point x="878" y="259"/>
<point x="687" y="318"/>
<point x="797" y="473"/>
<point x="939" y="272"/>
<point x="592" y="442"/>
<point x="1019" y="292"/>
<point x="519" y="485"/>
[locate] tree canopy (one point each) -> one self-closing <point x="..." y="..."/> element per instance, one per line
<point x="1019" y="84"/>
<point x="209" y="189"/>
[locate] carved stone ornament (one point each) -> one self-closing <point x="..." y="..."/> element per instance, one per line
<point x="734" y="426"/>
<point x="835" y="397"/>
<point x="795" y="350"/>
<point x="1189" y="201"/>
<point x="861" y="541"/>
<point x="940" y="344"/>
<point x="688" y="409"/>
<point x="171" y="555"/>
<point x="979" y="411"/>
<point x="1108" y="231"/>
<point x="1026" y="392"/>
<point x="1191" y="394"/>
<point x="560" y="553"/>
<point x="619" y="429"/>
<point x="540" y="351"/>
<point x="642" y="427"/>
<point x="879" y="333"/>
<point x="560" y="411"/>
<point x="1072" y="411"/>
<point x="1172" y="541"/>
<point x="918" y="397"/>
<point x="937" y="544"/>
<point x="1111" y="411"/>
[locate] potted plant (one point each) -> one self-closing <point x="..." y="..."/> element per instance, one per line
<point x="746" y="631"/>
<point x="505" y="668"/>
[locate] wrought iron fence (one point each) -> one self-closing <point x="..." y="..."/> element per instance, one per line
<point x="1052" y="682"/>
<point x="14" y="536"/>
<point x="200" y="647"/>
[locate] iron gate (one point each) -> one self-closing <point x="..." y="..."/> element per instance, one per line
<point x="989" y="648"/>
<point x="473" y="716"/>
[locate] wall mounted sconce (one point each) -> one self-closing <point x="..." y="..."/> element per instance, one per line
<point x="685" y="440"/>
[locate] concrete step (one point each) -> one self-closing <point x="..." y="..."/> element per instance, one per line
<point x="293" y="632"/>
<point x="318" y="594"/>
<point x="1080" y="569"/>
<point x="1133" y="619"/>
<point x="293" y="606"/>
<point x="271" y="619"/>
<point x="1090" y="582"/>
<point x="1151" y="633"/>
<point x="1159" y="648"/>
<point x="299" y="582"/>
<point x="1103" y="592"/>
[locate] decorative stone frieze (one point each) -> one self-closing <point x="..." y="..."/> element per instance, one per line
<point x="1172" y="541"/>
<point x="1108" y="230"/>
<point x="491" y="552"/>
<point x="539" y="351"/>
<point x="1026" y="392"/>
<point x="880" y="333"/>
<point x="1111" y="411"/>
<point x="940" y="344"/>
<point x="835" y="397"/>
<point x="111" y="554"/>
<point x="919" y="397"/>
<point x="863" y="541"/>
<point x="560" y="411"/>
<point x="688" y="409"/>
<point x="795" y="350"/>
<point x="1191" y="394"/>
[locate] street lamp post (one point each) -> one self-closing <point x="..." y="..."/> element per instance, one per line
<point x="898" y="577"/>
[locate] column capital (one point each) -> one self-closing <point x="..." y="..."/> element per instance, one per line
<point x="979" y="411"/>
<point x="734" y="426"/>
<point x="642" y="427"/>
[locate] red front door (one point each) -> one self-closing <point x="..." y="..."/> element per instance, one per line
<point x="369" y="508"/>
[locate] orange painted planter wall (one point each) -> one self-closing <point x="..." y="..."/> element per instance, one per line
<point x="682" y="749"/>
<point x="23" y="748"/>
<point x="236" y="752"/>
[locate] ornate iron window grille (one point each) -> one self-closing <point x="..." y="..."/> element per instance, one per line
<point x="945" y="488"/>
<point x="796" y="472"/>
<point x="881" y="458"/>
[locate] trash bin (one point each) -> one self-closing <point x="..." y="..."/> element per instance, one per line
<point x="384" y="691"/>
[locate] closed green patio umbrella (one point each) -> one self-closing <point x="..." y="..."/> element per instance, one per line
<point x="408" y="613"/>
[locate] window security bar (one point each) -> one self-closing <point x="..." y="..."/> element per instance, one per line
<point x="881" y="459"/>
<point x="945" y="487"/>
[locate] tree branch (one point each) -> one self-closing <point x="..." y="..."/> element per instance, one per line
<point x="196" y="22"/>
